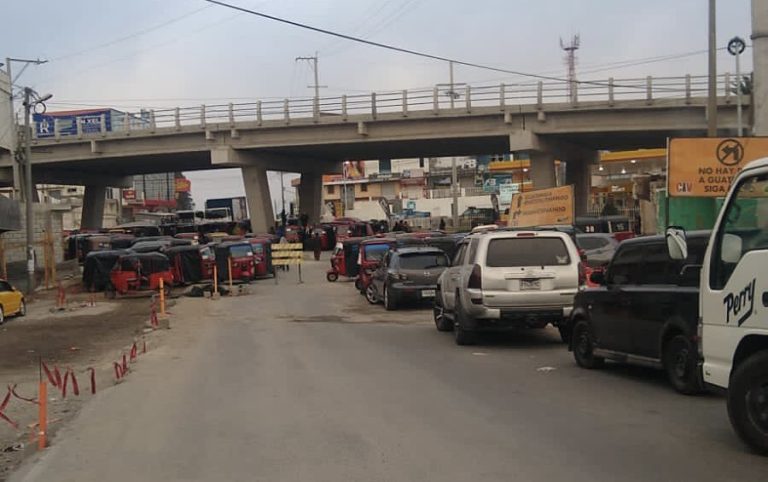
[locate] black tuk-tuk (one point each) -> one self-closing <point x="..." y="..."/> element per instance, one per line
<point x="191" y="264"/>
<point x="97" y="266"/>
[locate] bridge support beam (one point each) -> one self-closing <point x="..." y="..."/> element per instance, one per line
<point x="93" y="206"/>
<point x="259" y="200"/>
<point x="310" y="195"/>
<point x="578" y="172"/>
<point x="542" y="169"/>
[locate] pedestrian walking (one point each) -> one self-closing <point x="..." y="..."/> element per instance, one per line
<point x="316" y="245"/>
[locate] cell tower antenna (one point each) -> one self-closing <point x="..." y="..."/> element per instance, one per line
<point x="570" y="62"/>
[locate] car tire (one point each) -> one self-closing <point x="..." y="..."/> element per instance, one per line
<point x="332" y="277"/>
<point x="681" y="365"/>
<point x="2" y="316"/>
<point x="22" y="308"/>
<point x="461" y="335"/>
<point x="442" y="323"/>
<point x="359" y="284"/>
<point x="370" y="295"/>
<point x="748" y="401"/>
<point x="389" y="302"/>
<point x="583" y="347"/>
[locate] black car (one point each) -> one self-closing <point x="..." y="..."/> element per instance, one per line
<point x="645" y="311"/>
<point x="408" y="273"/>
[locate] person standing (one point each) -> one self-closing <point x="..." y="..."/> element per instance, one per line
<point x="316" y="245"/>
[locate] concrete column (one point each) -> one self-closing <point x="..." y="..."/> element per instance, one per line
<point x="760" y="65"/>
<point x="258" y="198"/>
<point x="93" y="207"/>
<point x="542" y="169"/>
<point x="578" y="173"/>
<point x="310" y="195"/>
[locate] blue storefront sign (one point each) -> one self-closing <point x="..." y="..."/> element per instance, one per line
<point x="492" y="182"/>
<point x="90" y="122"/>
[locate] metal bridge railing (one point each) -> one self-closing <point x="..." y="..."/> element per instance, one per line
<point x="438" y="100"/>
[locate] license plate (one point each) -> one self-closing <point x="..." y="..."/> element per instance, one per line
<point x="427" y="293"/>
<point x="530" y="284"/>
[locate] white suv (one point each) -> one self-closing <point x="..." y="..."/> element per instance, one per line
<point x="505" y="280"/>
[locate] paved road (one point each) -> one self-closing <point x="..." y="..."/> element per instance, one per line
<point x="309" y="383"/>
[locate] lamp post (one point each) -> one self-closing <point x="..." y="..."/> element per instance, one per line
<point x="31" y="100"/>
<point x="736" y="47"/>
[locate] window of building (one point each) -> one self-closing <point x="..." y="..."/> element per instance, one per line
<point x="330" y="189"/>
<point x="363" y="187"/>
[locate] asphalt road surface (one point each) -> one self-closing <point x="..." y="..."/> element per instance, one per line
<point x="310" y="383"/>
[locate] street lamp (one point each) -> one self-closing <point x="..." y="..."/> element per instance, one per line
<point x="31" y="101"/>
<point x="735" y="47"/>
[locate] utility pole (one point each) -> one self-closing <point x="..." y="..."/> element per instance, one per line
<point x="17" y="188"/>
<point x="455" y="194"/>
<point x="28" y="196"/>
<point x="313" y="60"/>
<point x="712" y="84"/>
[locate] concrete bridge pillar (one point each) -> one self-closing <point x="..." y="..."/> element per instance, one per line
<point x="542" y="169"/>
<point x="760" y="65"/>
<point x="578" y="172"/>
<point x="310" y="195"/>
<point x="93" y="206"/>
<point x="259" y="200"/>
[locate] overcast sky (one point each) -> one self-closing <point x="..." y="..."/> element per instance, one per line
<point x="160" y="53"/>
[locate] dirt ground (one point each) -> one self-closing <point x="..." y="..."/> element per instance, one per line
<point x="79" y="337"/>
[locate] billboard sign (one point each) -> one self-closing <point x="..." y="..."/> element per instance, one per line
<point x="67" y="124"/>
<point x="182" y="184"/>
<point x="492" y="182"/>
<point x="542" y="207"/>
<point x="506" y="191"/>
<point x="705" y="167"/>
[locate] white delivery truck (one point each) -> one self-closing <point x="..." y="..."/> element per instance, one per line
<point x="733" y="302"/>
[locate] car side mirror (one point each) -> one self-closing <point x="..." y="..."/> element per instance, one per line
<point x="677" y="245"/>
<point x="730" y="251"/>
<point x="597" y="277"/>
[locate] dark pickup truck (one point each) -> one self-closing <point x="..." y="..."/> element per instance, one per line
<point x="645" y="311"/>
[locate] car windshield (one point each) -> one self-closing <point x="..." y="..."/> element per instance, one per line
<point x="375" y="252"/>
<point x="423" y="260"/>
<point x="592" y="242"/>
<point x="240" y="251"/>
<point x="533" y="251"/>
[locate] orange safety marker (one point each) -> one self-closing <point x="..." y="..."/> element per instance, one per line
<point x="42" y="415"/>
<point x="162" y="297"/>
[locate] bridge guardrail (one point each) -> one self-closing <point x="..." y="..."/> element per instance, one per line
<point x="438" y="100"/>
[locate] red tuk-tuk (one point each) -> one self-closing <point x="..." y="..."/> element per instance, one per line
<point x="191" y="264"/>
<point x="293" y="233"/>
<point x="139" y="272"/>
<point x="369" y="259"/>
<point x="262" y="257"/>
<point x="241" y="255"/>
<point x="351" y="228"/>
<point x="344" y="259"/>
<point x="194" y="237"/>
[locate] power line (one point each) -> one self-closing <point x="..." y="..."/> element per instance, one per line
<point x="131" y="35"/>
<point x="399" y="49"/>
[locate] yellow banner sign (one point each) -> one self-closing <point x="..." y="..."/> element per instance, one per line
<point x="542" y="207"/>
<point x="705" y="167"/>
<point x="287" y="253"/>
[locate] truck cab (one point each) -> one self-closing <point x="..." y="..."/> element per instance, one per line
<point x="733" y="302"/>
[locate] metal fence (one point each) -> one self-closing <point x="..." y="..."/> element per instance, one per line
<point x="438" y="100"/>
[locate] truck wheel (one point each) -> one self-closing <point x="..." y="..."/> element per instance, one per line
<point x="565" y="331"/>
<point x="332" y="277"/>
<point x="681" y="367"/>
<point x="438" y="314"/>
<point x="460" y="334"/>
<point x="583" y="347"/>
<point x="748" y="401"/>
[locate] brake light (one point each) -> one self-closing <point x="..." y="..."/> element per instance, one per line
<point x="476" y="278"/>
<point x="582" y="275"/>
<point x="526" y="235"/>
